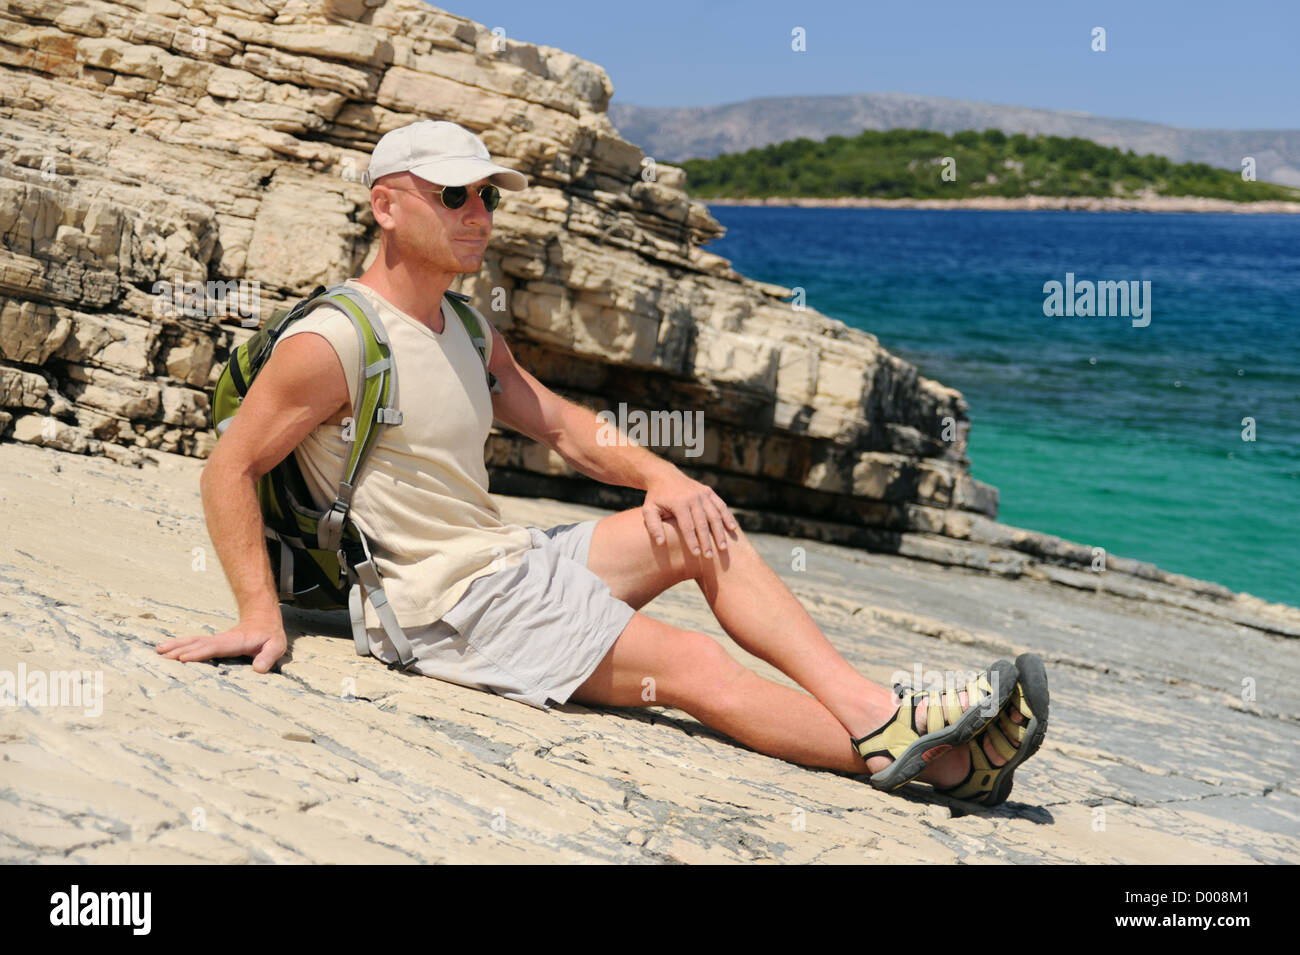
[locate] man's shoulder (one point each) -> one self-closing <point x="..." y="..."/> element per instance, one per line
<point x="334" y="325"/>
<point x="327" y="319"/>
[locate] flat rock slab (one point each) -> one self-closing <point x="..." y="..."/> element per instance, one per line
<point x="1174" y="733"/>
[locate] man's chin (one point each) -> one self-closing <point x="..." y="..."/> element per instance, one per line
<point x="457" y="265"/>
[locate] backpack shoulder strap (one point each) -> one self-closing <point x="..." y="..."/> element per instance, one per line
<point x="375" y="404"/>
<point x="373" y="408"/>
<point x="473" y="322"/>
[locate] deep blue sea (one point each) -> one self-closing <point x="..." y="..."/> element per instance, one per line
<point x="1092" y="428"/>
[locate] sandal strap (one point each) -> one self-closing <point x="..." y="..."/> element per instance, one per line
<point x="952" y="707"/>
<point x="938" y="711"/>
<point x="979" y="777"/>
<point x="943" y="709"/>
<point x="894" y="737"/>
<point x="1001" y="744"/>
<point x="982" y="773"/>
<point x="1022" y="703"/>
<point x="1013" y="731"/>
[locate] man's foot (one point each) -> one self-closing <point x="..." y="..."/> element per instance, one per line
<point x="994" y="754"/>
<point x="953" y="766"/>
<point x="928" y="726"/>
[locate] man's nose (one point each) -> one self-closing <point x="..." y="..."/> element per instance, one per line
<point x="475" y="207"/>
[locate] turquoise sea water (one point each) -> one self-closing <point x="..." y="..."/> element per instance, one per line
<point x="1114" y="435"/>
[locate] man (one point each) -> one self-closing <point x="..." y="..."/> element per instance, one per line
<point x="542" y="616"/>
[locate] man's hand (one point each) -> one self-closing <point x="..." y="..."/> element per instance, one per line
<point x="265" y="642"/>
<point x="302" y="385"/>
<point x="698" y="511"/>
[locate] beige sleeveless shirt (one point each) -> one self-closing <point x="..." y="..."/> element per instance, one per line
<point x="421" y="499"/>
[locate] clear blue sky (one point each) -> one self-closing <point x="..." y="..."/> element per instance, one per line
<point x="1191" y="63"/>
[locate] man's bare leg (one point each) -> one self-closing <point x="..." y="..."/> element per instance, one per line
<point x="691" y="671"/>
<point x="760" y="613"/>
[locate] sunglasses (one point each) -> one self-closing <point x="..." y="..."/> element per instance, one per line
<point x="453" y="197"/>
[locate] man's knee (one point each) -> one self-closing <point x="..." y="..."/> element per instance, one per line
<point x="691" y="566"/>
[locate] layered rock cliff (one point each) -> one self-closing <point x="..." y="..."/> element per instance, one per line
<point x="170" y="172"/>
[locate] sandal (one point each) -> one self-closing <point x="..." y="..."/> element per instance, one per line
<point x="989" y="785"/>
<point x="947" y="725"/>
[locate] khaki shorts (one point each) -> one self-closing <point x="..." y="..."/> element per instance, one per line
<point x="533" y="632"/>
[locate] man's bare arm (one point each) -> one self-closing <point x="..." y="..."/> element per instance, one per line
<point x="301" y="386"/>
<point x="572" y="431"/>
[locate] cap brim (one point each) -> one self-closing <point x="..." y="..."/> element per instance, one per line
<point x="461" y="172"/>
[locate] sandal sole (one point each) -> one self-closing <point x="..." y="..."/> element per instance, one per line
<point x="1033" y="684"/>
<point x="913" y="761"/>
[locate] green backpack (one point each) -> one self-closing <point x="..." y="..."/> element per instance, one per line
<point x="319" y="558"/>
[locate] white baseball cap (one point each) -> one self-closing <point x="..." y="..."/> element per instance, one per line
<point x="442" y="153"/>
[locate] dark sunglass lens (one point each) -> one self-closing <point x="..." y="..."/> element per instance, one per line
<point x="453" y="197"/>
<point x="490" y="195"/>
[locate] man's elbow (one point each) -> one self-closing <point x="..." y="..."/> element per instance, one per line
<point x="569" y="428"/>
<point x="223" y="471"/>
<point x="214" y="478"/>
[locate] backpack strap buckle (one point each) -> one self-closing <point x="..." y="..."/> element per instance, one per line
<point x="365" y="577"/>
<point x="329" y="532"/>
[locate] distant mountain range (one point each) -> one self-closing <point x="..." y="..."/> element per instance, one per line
<point x="703" y="132"/>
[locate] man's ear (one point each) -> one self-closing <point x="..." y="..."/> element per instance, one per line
<point x="381" y="201"/>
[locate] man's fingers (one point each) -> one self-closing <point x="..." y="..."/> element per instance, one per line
<point x="654" y="524"/>
<point x="702" y="529"/>
<point x="728" y="518"/>
<point x="167" y="646"/>
<point x="231" y="643"/>
<point x="266" y="659"/>
<point x="202" y="649"/>
<point x="177" y="645"/>
<point x="686" y="525"/>
<point x="716" y="522"/>
<point x="701" y="516"/>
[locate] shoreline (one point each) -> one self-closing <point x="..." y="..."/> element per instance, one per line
<point x="1032" y="204"/>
